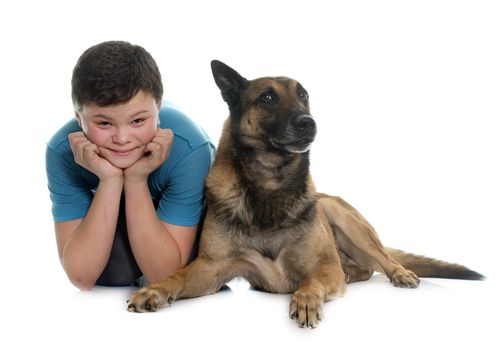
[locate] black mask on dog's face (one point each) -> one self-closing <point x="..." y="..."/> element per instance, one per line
<point x="276" y="110"/>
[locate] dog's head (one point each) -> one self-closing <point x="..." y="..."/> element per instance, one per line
<point x="268" y="113"/>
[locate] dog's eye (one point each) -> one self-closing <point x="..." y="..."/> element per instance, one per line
<point x="302" y="93"/>
<point x="268" y="97"/>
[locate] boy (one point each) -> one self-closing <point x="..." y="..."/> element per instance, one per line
<point x="127" y="195"/>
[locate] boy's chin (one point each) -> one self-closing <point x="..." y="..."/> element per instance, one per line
<point x="123" y="163"/>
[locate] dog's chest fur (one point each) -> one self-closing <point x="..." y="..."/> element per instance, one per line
<point x="264" y="217"/>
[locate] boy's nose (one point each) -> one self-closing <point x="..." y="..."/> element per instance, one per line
<point x="121" y="136"/>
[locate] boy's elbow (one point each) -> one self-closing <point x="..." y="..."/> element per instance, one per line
<point x="80" y="278"/>
<point x="82" y="283"/>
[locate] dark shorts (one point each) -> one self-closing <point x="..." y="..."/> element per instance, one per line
<point x="122" y="269"/>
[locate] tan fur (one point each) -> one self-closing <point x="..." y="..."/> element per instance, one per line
<point x="266" y="223"/>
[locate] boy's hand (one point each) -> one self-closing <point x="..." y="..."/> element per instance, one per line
<point x="155" y="153"/>
<point x="86" y="154"/>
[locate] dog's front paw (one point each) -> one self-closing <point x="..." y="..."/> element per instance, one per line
<point x="149" y="299"/>
<point x="405" y="279"/>
<point x="307" y="309"/>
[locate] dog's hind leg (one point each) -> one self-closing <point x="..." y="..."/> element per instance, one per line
<point x="365" y="247"/>
<point x="353" y="271"/>
<point x="202" y="277"/>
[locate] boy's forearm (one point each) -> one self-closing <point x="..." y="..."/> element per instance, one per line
<point x="155" y="250"/>
<point x="87" y="251"/>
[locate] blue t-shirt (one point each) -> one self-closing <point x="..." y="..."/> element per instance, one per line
<point x="177" y="185"/>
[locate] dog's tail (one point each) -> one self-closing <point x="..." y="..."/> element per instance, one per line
<point x="428" y="267"/>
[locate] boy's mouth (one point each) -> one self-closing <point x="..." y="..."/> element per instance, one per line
<point x="121" y="153"/>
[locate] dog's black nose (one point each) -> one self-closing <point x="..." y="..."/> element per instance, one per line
<point x="305" y="123"/>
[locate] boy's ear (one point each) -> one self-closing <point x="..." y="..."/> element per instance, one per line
<point x="78" y="118"/>
<point x="228" y="80"/>
<point x="159" y="106"/>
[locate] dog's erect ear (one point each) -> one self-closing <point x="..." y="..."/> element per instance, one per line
<point x="228" y="80"/>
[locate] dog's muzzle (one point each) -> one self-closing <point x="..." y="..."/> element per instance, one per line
<point x="305" y="133"/>
<point x="300" y="134"/>
<point x="305" y="124"/>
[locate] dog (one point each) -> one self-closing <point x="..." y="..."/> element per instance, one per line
<point x="264" y="220"/>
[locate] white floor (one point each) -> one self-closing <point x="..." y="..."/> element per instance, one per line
<point x="439" y="314"/>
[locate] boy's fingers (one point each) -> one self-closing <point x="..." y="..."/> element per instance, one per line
<point x="90" y="148"/>
<point x="76" y="133"/>
<point x="154" y="147"/>
<point x="80" y="144"/>
<point x="163" y="136"/>
<point x="163" y="132"/>
<point x="76" y="136"/>
<point x="158" y="151"/>
<point x="77" y="140"/>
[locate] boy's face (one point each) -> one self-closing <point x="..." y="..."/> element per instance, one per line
<point x="121" y="131"/>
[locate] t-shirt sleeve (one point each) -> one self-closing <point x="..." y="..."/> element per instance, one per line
<point x="70" y="194"/>
<point x="182" y="202"/>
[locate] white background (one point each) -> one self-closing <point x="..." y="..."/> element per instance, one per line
<point x="405" y="97"/>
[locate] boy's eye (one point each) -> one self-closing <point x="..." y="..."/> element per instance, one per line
<point x="104" y="124"/>
<point x="137" y="121"/>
